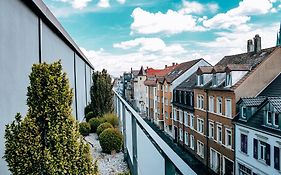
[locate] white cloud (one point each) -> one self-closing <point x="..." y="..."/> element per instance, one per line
<point x="150" y="45"/>
<point x="239" y="15"/>
<point x="170" y="23"/>
<point x="121" y="1"/>
<point x="104" y="3"/>
<point x="77" y="4"/>
<point x="235" y="42"/>
<point x="193" y="7"/>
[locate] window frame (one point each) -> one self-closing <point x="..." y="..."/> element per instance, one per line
<point x="227" y="139"/>
<point x="219" y="141"/>
<point x="219" y="105"/>
<point x="200" y="149"/>
<point x="228" y="107"/>
<point x="192" y="140"/>
<point x="200" y="125"/>
<point x="211" y="130"/>
<point x="211" y="104"/>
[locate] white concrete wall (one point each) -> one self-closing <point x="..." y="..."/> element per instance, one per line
<point x="248" y="160"/>
<point x="140" y="93"/>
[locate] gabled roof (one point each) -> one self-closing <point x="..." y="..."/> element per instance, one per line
<point x="238" y="67"/>
<point x="252" y="101"/>
<point x="273" y="89"/>
<point x="250" y="58"/>
<point x="204" y="70"/>
<point x="180" y="69"/>
<point x="276" y="103"/>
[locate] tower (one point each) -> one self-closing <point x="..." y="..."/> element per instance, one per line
<point x="278" y="41"/>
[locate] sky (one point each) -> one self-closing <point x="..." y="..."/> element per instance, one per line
<point x="119" y="34"/>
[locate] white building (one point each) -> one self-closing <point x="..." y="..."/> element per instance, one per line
<point x="258" y="136"/>
<point x="140" y="91"/>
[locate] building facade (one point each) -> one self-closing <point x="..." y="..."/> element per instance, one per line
<point x="31" y="34"/>
<point x="218" y="88"/>
<point x="140" y="91"/>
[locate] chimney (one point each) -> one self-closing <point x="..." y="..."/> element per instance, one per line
<point x="250" y="46"/>
<point x="166" y="66"/>
<point x="173" y="64"/>
<point x="257" y="43"/>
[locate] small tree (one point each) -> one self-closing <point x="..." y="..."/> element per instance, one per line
<point x="101" y="93"/>
<point x="47" y="140"/>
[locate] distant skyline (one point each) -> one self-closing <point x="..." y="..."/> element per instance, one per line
<point x="120" y="34"/>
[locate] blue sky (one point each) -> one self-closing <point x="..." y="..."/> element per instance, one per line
<point x="120" y="34"/>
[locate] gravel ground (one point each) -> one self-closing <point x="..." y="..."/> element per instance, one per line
<point x="107" y="164"/>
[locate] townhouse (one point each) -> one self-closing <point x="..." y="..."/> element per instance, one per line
<point x="217" y="90"/>
<point x="165" y="87"/>
<point x="183" y="115"/>
<point x="258" y="132"/>
<point x="140" y="91"/>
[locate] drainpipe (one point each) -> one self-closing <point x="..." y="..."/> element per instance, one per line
<point x="207" y="131"/>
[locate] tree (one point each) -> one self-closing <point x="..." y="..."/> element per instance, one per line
<point x="101" y="93"/>
<point x="47" y="140"/>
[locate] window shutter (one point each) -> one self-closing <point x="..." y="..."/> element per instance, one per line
<point x="267" y="156"/>
<point x="276" y="158"/>
<point x="255" y="148"/>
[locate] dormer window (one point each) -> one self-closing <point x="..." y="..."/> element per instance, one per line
<point x="276" y="120"/>
<point x="243" y="112"/>
<point x="269" y="118"/>
<point x="200" y="80"/>
<point x="214" y="80"/>
<point x="228" y="80"/>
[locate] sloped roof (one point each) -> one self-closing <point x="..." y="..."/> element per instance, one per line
<point x="238" y="67"/>
<point x="276" y="103"/>
<point x="187" y="84"/>
<point x="180" y="69"/>
<point x="252" y="101"/>
<point x="250" y="58"/>
<point x="204" y="70"/>
<point x="141" y="72"/>
<point x="273" y="89"/>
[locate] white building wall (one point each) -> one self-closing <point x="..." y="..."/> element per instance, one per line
<point x="248" y="160"/>
<point x="140" y="93"/>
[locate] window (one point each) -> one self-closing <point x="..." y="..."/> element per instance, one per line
<point x="243" y="170"/>
<point x="175" y="114"/>
<point x="276" y="120"/>
<point x="214" y="160"/>
<point x="166" y="88"/>
<point x="262" y="151"/>
<point x="185" y="118"/>
<point x="228" y="79"/>
<point x="192" y="142"/>
<point x="269" y="118"/>
<point x="200" y="101"/>
<point x="191" y="121"/>
<point x="219" y="134"/>
<point x="228" y="138"/>
<point x="219" y="105"/>
<point x="200" y="80"/>
<point x="181" y="137"/>
<point x="277" y="158"/>
<point x="166" y="115"/>
<point x="180" y="116"/>
<point x="186" y="138"/>
<point x="244" y="112"/>
<point x="214" y="80"/>
<point x="211" y="104"/>
<point x="211" y="130"/>
<point x="228" y="108"/>
<point x="200" y="149"/>
<point x="200" y="125"/>
<point x="244" y="143"/>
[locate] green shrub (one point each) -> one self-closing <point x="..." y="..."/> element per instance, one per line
<point x="84" y="128"/>
<point x="89" y="116"/>
<point x="94" y="123"/>
<point x="111" y="140"/>
<point x="88" y="109"/>
<point x="47" y="140"/>
<point x="103" y="127"/>
<point x="111" y="118"/>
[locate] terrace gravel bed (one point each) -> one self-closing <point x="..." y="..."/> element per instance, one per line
<point x="108" y="164"/>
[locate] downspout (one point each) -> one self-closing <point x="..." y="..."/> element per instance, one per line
<point x="207" y="131"/>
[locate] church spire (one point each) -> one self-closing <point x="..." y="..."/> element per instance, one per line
<point x="278" y="41"/>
